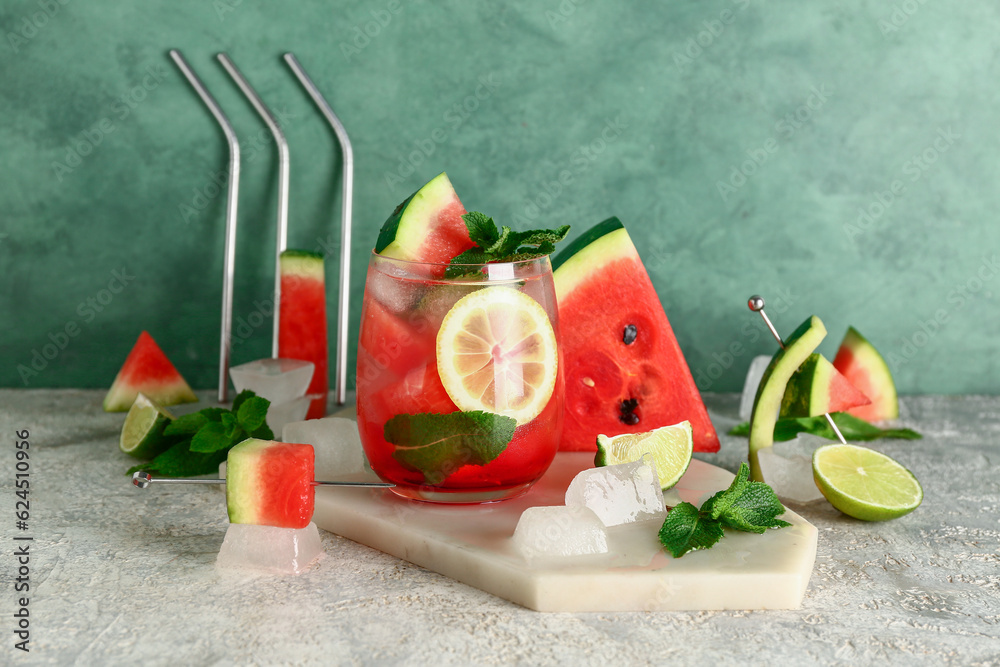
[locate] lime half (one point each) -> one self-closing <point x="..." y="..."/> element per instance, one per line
<point x="670" y="447"/>
<point x="865" y="484"/>
<point x="142" y="434"/>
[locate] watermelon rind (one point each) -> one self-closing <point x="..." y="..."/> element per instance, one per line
<point x="168" y="389"/>
<point x="405" y="232"/>
<point x="586" y="257"/>
<point x="241" y="480"/>
<point x="803" y="342"/>
<point x="585" y="239"/>
<point x="810" y="390"/>
<point x="864" y="366"/>
<point x="301" y="262"/>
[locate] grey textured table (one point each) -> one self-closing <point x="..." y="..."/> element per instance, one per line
<point x="121" y="576"/>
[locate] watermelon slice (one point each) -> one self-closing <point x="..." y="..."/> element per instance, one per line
<point x="427" y="227"/>
<point x="302" y="331"/>
<point x="817" y="388"/>
<point x="147" y="370"/>
<point x="625" y="372"/>
<point x="865" y="368"/>
<point x="270" y="483"/>
<point x="784" y="363"/>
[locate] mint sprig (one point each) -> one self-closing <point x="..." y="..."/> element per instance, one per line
<point x="746" y="505"/>
<point x="853" y="428"/>
<point x="207" y="436"/>
<point x="502" y="244"/>
<point x="437" y="445"/>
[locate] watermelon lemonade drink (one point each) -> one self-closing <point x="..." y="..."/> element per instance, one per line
<point x="460" y="387"/>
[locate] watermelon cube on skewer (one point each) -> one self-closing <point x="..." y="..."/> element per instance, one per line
<point x="147" y="370"/>
<point x="302" y="332"/>
<point x="270" y="483"/>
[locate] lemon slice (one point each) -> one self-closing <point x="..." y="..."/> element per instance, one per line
<point x="496" y="351"/>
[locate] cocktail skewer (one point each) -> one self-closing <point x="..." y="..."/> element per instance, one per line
<point x="144" y="479"/>
<point x="347" y="182"/>
<point x="284" y="165"/>
<point x="756" y="303"/>
<point x="233" y="178"/>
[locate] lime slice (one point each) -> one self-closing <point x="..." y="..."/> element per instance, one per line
<point x="670" y="447"/>
<point x="142" y="434"/>
<point x="865" y="484"/>
<point x="496" y="351"/>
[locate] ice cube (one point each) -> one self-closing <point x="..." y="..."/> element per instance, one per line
<point x="277" y="380"/>
<point x="625" y="493"/>
<point x="394" y="287"/>
<point x="280" y="414"/>
<point x="790" y="475"/>
<point x="270" y="549"/>
<point x="336" y="442"/>
<point x="754" y="374"/>
<point x="560" y="531"/>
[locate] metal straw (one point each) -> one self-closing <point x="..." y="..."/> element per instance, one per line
<point x="347" y="181"/>
<point x="144" y="479"/>
<point x="284" y="164"/>
<point x="756" y="303"/>
<point x="229" y="259"/>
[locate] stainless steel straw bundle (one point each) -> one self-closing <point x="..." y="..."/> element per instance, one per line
<point x="284" y="165"/>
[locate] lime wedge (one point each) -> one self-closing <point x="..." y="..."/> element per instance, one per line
<point x="670" y="447"/>
<point x="142" y="434"/>
<point x="865" y="484"/>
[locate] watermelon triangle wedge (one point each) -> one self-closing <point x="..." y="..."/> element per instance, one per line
<point x="147" y="370"/>
<point x="817" y="388"/>
<point x="624" y="370"/>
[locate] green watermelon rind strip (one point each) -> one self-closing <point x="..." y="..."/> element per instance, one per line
<point x="803" y="342"/>
<point x="597" y="231"/>
<point x="302" y="263"/>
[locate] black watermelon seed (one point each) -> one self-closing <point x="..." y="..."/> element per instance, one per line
<point x="627" y="412"/>
<point x="628" y="337"/>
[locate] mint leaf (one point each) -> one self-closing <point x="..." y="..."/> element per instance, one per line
<point x="179" y="461"/>
<point x="252" y="413"/>
<point x="482" y="229"/>
<point x="186" y="424"/>
<point x="264" y="432"/>
<point x="853" y="428"/>
<point x="504" y="244"/>
<point x="745" y="505"/>
<point x="240" y="398"/>
<point x="686" y="529"/>
<point x="211" y="437"/>
<point x="439" y="444"/>
<point x="536" y="237"/>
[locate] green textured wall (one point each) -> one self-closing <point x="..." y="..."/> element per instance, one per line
<point x="738" y="140"/>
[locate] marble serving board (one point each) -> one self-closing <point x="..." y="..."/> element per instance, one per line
<point x="472" y="544"/>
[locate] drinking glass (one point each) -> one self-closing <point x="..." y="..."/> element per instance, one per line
<point x="459" y="377"/>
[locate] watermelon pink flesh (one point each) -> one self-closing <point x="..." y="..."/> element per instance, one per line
<point x="270" y="483"/>
<point x="302" y="330"/>
<point x="613" y="387"/>
<point x="865" y="368"/>
<point x="147" y="370"/>
<point x="817" y="388"/>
